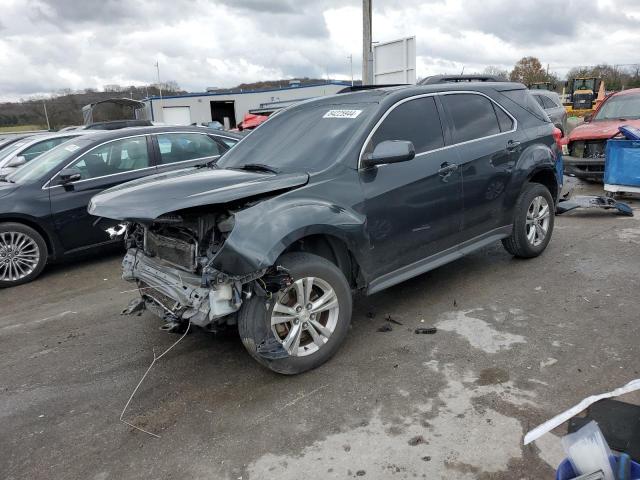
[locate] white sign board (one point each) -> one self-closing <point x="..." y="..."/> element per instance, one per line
<point x="395" y="61"/>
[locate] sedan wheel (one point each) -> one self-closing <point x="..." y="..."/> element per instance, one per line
<point x="23" y="254"/>
<point x="19" y="256"/>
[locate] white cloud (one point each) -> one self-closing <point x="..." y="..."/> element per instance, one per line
<point x="46" y="45"/>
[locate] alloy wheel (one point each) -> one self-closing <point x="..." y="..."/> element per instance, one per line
<point x="305" y="315"/>
<point x="19" y="256"/>
<point x="538" y="217"/>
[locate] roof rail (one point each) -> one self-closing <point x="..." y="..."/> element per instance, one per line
<point x="459" y="78"/>
<point x="357" y="88"/>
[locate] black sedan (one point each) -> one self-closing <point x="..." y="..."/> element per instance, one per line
<point x="43" y="205"/>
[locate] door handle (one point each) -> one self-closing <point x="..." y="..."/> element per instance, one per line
<point x="447" y="169"/>
<point x="513" y="146"/>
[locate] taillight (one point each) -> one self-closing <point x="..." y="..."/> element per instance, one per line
<point x="557" y="135"/>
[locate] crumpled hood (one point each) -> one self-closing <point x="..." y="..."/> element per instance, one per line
<point x="600" y="129"/>
<point x="146" y="199"/>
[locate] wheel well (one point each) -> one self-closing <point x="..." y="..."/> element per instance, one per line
<point x="547" y="178"/>
<point x="35" y="226"/>
<point x="333" y="249"/>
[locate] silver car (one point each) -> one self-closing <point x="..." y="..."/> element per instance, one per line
<point x="25" y="150"/>
<point x="551" y="104"/>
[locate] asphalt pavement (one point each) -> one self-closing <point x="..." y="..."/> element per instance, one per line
<point x="517" y="342"/>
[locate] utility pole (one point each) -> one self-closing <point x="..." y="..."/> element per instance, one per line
<point x="160" y="90"/>
<point x="367" y="54"/>
<point x="46" y="115"/>
<point x="351" y="64"/>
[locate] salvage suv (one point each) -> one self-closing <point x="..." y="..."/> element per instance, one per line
<point x="356" y="191"/>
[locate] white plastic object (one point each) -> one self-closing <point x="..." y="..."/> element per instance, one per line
<point x="588" y="452"/>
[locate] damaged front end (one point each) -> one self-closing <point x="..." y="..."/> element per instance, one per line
<point x="170" y="260"/>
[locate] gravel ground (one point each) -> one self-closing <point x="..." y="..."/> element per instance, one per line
<point x="517" y="342"/>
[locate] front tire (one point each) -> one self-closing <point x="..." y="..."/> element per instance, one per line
<point x="310" y="319"/>
<point x="533" y="222"/>
<point x="23" y="254"/>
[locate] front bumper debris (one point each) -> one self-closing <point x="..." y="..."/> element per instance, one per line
<point x="177" y="294"/>
<point x="587" y="168"/>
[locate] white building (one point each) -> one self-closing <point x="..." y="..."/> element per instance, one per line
<point x="229" y="108"/>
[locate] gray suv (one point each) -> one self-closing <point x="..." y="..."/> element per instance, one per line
<point x="357" y="191"/>
<point x="551" y="104"/>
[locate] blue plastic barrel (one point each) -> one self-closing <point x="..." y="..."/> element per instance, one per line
<point x="622" y="163"/>
<point x="565" y="470"/>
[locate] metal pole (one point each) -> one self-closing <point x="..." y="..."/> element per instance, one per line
<point x="367" y="57"/>
<point x="160" y="90"/>
<point x="350" y="57"/>
<point x="46" y="115"/>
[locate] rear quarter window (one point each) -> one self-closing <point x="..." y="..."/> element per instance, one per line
<point x="524" y="99"/>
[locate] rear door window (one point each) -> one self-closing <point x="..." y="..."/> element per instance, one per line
<point x="416" y="121"/>
<point x="179" y="147"/>
<point x="472" y="115"/>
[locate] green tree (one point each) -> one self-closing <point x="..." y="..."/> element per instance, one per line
<point x="528" y="70"/>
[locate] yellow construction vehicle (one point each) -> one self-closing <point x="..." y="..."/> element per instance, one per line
<point x="584" y="93"/>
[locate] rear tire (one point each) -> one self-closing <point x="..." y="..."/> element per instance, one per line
<point x="23" y="254"/>
<point x="533" y="222"/>
<point x="322" y="328"/>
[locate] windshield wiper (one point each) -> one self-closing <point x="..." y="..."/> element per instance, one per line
<point x="256" y="167"/>
<point x="211" y="163"/>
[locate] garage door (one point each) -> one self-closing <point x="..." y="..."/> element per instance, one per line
<point x="176" y="115"/>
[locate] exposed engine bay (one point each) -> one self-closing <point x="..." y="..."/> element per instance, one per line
<point x="588" y="149"/>
<point x="171" y="262"/>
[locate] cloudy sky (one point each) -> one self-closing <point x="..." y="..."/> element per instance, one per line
<point x="46" y="45"/>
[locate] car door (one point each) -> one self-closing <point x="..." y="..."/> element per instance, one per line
<point x="106" y="165"/>
<point x="186" y="149"/>
<point x="488" y="146"/>
<point x="413" y="208"/>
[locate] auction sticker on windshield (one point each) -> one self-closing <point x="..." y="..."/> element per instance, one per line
<point x="342" y="114"/>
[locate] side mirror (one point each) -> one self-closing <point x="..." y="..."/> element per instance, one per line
<point x="68" y="175"/>
<point x="390" y="151"/>
<point x="17" y="162"/>
<point x="588" y="118"/>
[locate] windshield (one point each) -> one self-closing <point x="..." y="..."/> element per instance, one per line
<point x="306" y="138"/>
<point x="42" y="165"/>
<point x="625" y="107"/>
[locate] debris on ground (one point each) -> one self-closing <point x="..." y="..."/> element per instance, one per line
<point x="558" y="420"/>
<point x="389" y="318"/>
<point x="371" y="314"/>
<point x="136" y="305"/>
<point x="361" y="473"/>
<point x="593" y="201"/>
<point x="426" y="330"/>
<point x="417" y="440"/>
<point x="385" y="328"/>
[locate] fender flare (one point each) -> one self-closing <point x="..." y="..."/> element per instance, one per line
<point x="262" y="232"/>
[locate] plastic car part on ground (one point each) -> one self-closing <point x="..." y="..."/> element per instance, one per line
<point x="558" y="420"/>
<point x="593" y="201"/>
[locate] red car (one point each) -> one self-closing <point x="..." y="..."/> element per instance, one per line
<point x="585" y="145"/>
